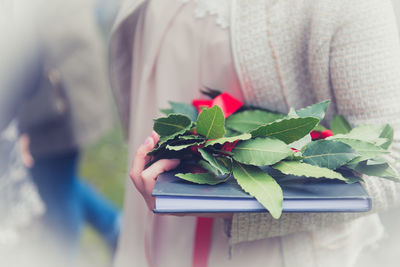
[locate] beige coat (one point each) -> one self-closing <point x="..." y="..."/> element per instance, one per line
<point x="303" y="52"/>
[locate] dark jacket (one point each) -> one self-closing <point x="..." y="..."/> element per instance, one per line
<point x="71" y="45"/>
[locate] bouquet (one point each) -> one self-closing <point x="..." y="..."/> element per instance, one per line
<point x="220" y="139"/>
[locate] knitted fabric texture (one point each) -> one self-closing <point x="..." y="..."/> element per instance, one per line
<point x="347" y="51"/>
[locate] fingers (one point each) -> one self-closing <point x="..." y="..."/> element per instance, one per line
<point x="144" y="178"/>
<point x="139" y="162"/>
<point x="155" y="137"/>
<point x="149" y="177"/>
<point x="26" y="156"/>
<point x="150" y="174"/>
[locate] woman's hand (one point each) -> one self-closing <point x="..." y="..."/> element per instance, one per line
<point x="145" y="178"/>
<point x="26" y="155"/>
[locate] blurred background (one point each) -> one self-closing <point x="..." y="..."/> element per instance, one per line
<point x="104" y="165"/>
<point x="63" y="157"/>
<point x="63" y="44"/>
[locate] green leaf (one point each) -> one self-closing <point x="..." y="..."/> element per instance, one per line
<point x="364" y="149"/>
<point x="162" y="144"/>
<point x="261" y="151"/>
<point x="260" y="185"/>
<point x="350" y="175"/>
<point x="156" y="150"/>
<point x="229" y="132"/>
<point x="387" y="133"/>
<point x="376" y="161"/>
<point x="299" y="144"/>
<point x="172" y="125"/>
<point x="319" y="128"/>
<point x="176" y="140"/>
<point x="185" y="109"/>
<point x="303" y="169"/>
<point x="191" y="137"/>
<point x="317" y="110"/>
<point x="207" y="166"/>
<point x="224" y="140"/>
<point x="248" y="120"/>
<point x="287" y="130"/>
<point x="339" y="125"/>
<point x="201" y="178"/>
<point x="179" y="147"/>
<point x="227" y="162"/>
<point x="368" y="133"/>
<point x="220" y="152"/>
<point x="167" y="111"/>
<point x="211" y="123"/>
<point x="328" y="154"/>
<point x="292" y="114"/>
<point x="296" y="156"/>
<point x="382" y="170"/>
<point x="213" y="161"/>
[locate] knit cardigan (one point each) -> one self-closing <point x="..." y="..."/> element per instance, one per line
<point x="347" y="51"/>
<point x="344" y="50"/>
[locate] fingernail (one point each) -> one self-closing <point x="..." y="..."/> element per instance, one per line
<point x="148" y="140"/>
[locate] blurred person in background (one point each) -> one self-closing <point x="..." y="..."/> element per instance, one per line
<point x="106" y="11"/>
<point x="20" y="204"/>
<point x="56" y="85"/>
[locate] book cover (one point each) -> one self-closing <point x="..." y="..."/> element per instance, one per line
<point x="174" y="195"/>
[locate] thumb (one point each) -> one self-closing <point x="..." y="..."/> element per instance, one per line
<point x="150" y="175"/>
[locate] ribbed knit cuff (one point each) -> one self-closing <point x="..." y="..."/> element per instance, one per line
<point x="247" y="226"/>
<point x="255" y="226"/>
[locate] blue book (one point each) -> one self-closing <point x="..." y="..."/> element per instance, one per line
<point x="300" y="194"/>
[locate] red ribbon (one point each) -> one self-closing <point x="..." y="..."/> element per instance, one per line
<point x="225" y="101"/>
<point x="201" y="103"/>
<point x="203" y="233"/>
<point x="202" y="242"/>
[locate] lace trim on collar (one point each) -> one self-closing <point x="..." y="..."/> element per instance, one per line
<point x="219" y="8"/>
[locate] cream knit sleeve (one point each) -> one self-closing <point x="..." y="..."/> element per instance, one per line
<point x="364" y="80"/>
<point x="365" y="77"/>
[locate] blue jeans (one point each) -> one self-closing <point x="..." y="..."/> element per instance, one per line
<point x="70" y="202"/>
